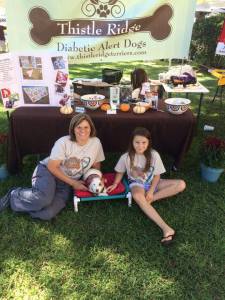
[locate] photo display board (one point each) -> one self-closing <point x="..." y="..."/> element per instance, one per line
<point x="37" y="79"/>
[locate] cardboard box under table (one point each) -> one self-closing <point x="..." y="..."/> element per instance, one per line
<point x="121" y="191"/>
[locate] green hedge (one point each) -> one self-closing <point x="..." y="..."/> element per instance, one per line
<point x="205" y="35"/>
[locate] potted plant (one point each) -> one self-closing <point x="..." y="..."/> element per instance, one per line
<point x="212" y="158"/>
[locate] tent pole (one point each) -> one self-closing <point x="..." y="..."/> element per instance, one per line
<point x="181" y="66"/>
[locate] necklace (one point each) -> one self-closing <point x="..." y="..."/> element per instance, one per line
<point x="82" y="149"/>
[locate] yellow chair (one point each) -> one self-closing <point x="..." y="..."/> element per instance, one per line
<point x="220" y="74"/>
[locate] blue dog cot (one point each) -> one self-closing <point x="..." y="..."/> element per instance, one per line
<point x="122" y="191"/>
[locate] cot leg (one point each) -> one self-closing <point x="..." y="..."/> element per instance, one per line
<point x="76" y="200"/>
<point x="129" y="197"/>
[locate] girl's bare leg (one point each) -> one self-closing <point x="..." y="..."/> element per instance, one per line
<point x="168" y="187"/>
<point x="138" y="194"/>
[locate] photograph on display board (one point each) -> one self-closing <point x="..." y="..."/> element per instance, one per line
<point x="58" y="62"/>
<point x="31" y="67"/>
<point x="59" y="89"/>
<point x="61" y="78"/>
<point x="36" y="95"/>
<point x="60" y="82"/>
<point x="10" y="97"/>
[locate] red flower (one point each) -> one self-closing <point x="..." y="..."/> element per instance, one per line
<point x="213" y="152"/>
<point x="214" y="142"/>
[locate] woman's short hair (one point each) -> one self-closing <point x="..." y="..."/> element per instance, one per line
<point x="138" y="76"/>
<point x="76" y="120"/>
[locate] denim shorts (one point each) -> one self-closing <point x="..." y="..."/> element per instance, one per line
<point x="145" y="186"/>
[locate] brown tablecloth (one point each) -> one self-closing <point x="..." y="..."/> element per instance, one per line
<point x="33" y="130"/>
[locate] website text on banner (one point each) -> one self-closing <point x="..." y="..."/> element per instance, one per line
<point x="106" y="30"/>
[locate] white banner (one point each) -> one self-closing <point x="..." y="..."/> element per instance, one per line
<point x="102" y="31"/>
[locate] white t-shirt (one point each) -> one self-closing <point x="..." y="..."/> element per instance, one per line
<point x="76" y="159"/>
<point x="136" y="173"/>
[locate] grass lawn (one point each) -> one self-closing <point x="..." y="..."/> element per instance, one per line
<point x="110" y="251"/>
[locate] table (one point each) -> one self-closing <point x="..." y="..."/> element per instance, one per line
<point x="33" y="130"/>
<point x="198" y="89"/>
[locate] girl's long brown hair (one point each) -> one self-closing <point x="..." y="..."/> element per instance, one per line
<point x="138" y="76"/>
<point x="141" y="131"/>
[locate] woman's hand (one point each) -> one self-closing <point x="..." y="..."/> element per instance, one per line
<point x="149" y="196"/>
<point x="111" y="187"/>
<point x="79" y="185"/>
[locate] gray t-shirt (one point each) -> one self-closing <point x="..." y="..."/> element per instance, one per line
<point x="136" y="173"/>
<point x="76" y="160"/>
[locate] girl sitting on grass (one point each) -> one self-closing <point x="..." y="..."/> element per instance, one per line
<point x="144" y="166"/>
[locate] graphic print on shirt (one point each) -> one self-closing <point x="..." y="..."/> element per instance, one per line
<point x="74" y="166"/>
<point x="138" y="175"/>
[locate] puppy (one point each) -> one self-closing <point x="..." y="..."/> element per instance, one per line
<point x="95" y="183"/>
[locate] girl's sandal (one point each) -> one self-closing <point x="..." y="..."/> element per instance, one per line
<point x="165" y="241"/>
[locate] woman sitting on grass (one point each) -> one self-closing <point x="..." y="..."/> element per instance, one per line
<point x="71" y="157"/>
<point x="144" y="166"/>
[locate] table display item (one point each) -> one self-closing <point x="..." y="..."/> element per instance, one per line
<point x="72" y="96"/>
<point x="162" y="77"/>
<point x="114" y="97"/>
<point x="125" y="92"/>
<point x="184" y="79"/>
<point x="80" y="109"/>
<point x="64" y="100"/>
<point x="92" y="101"/>
<point x="154" y="100"/>
<point x="178" y="70"/>
<point x="66" y="109"/>
<point x="124" y="107"/>
<point x="112" y="76"/>
<point x="105" y="107"/>
<point x="146" y="105"/>
<point x="177" y="106"/>
<point x="84" y="87"/>
<point x="139" y="109"/>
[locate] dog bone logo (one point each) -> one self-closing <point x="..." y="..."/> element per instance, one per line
<point x="44" y="28"/>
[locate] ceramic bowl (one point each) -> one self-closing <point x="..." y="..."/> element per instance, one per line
<point x="177" y="106"/>
<point x="92" y="101"/>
